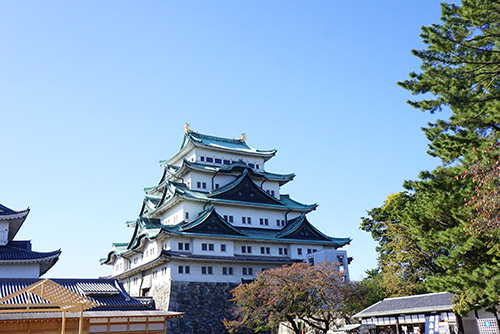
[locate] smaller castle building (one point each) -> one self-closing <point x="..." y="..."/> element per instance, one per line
<point x="17" y="259"/>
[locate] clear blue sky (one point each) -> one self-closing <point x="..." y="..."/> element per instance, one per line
<point x="94" y="93"/>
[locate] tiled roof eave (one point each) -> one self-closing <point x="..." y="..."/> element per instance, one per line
<point x="48" y="257"/>
<point x="166" y="205"/>
<point x="16" y="215"/>
<point x="145" y="266"/>
<point x="282" y="178"/>
<point x="235" y="259"/>
<point x="404" y="311"/>
<point x="257" y="153"/>
<point x="333" y="243"/>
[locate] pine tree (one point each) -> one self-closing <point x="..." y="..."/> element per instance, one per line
<point x="424" y="233"/>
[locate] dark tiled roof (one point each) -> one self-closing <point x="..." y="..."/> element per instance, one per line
<point x="5" y="210"/>
<point x="19" y="251"/>
<point x="410" y="304"/>
<point x="108" y="293"/>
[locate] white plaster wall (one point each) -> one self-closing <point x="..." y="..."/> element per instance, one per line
<point x="173" y="215"/>
<point x="254" y="213"/>
<point x="4" y="233"/>
<point x="193" y="177"/>
<point x="193" y="208"/>
<point x="151" y="251"/>
<point x="228" y="156"/>
<point x="272" y="186"/>
<point x="195" y="274"/>
<point x="197" y="247"/>
<point x="28" y="270"/>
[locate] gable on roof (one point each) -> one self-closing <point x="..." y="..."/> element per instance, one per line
<point x="245" y="190"/>
<point x="210" y="222"/>
<point x="300" y="229"/>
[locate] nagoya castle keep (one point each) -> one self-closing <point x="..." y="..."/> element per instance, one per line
<point x="216" y="218"/>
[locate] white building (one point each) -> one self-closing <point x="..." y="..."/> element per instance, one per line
<point x="216" y="216"/>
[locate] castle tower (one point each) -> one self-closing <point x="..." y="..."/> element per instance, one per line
<point x="216" y="218"/>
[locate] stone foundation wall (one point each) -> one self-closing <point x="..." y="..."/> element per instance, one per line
<point x="205" y="305"/>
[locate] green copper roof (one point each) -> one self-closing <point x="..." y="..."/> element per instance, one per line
<point x="237" y="166"/>
<point x="300" y="228"/>
<point x="210" y="224"/>
<point x="229" y="194"/>
<point x="236" y="145"/>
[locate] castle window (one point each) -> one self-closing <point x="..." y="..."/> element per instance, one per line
<point x="204" y="185"/>
<point x="227" y="162"/>
<point x="272" y="192"/>
<point x="227" y="270"/>
<point x="202" y="158"/>
<point x="243" y="220"/>
<point x="249" y="220"/>
<point x="216" y="186"/>
<point x="209" y="247"/>
<point x="251" y="165"/>
<point x="182" y="269"/>
<point x="261" y="221"/>
<point x="180" y="246"/>
<point x="257" y="166"/>
<point x="266" y="221"/>
<point x="223" y="248"/>
<point x="278" y="222"/>
<point x="246" y="249"/>
<point x="186" y="215"/>
<point x="218" y="161"/>
<point x="210" y="159"/>
<point x="247" y="271"/>
<point x="268" y="250"/>
<point x="164" y="271"/>
<point x="186" y="246"/>
<point x="265" y="250"/>
<point x="299" y="251"/>
<point x="230" y="219"/>
<point x="207" y="270"/>
<point x="198" y="184"/>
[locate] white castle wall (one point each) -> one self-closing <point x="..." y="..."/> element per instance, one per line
<point x="28" y="270"/>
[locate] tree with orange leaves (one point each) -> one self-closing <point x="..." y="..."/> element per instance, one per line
<point x="314" y="295"/>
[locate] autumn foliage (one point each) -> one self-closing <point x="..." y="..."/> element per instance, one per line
<point x="296" y="295"/>
<point x="485" y="201"/>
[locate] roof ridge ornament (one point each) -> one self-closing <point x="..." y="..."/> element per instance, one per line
<point x="243" y="137"/>
<point x="186" y="127"/>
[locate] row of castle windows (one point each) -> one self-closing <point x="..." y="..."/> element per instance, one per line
<point x="248" y="220"/>
<point x="220" y="161"/>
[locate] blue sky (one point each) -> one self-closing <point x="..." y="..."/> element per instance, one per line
<point x="94" y="93"/>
